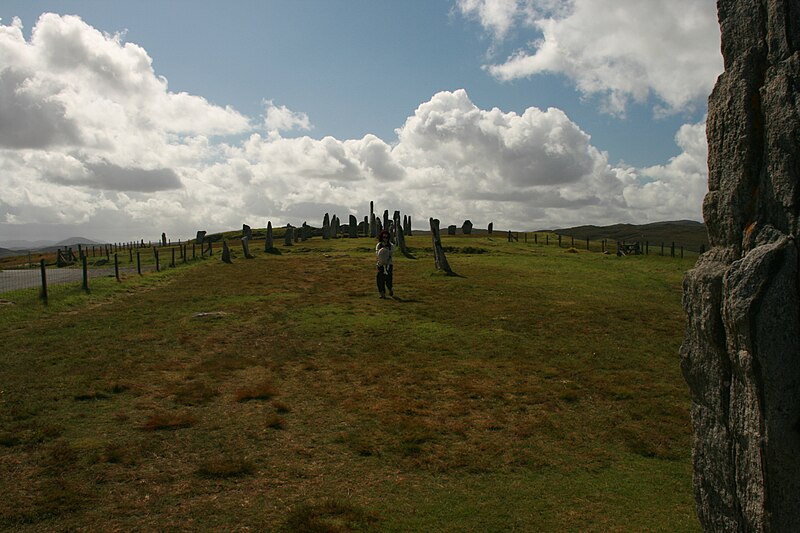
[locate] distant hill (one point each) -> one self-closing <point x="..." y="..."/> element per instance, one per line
<point x="5" y="252"/>
<point x="25" y="246"/>
<point x="687" y="233"/>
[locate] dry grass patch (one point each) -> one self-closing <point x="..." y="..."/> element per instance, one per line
<point x="195" y="393"/>
<point x="169" y="421"/>
<point x="330" y="516"/>
<point x="276" y="422"/>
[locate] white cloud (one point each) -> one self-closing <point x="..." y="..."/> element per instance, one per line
<point x="281" y="118"/>
<point x="621" y="50"/>
<point x="109" y="147"/>
<point x="676" y="189"/>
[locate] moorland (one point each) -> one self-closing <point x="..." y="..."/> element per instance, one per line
<point x="537" y="390"/>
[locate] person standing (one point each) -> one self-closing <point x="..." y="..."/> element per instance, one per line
<point x="384" y="250"/>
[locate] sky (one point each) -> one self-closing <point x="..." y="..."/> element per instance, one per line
<point x="123" y="120"/>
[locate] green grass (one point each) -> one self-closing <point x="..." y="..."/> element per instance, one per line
<point x="539" y="390"/>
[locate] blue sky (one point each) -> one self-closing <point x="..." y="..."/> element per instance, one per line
<point x="381" y="81"/>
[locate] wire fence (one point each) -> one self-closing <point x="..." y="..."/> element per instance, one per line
<point x="37" y="278"/>
<point x="639" y="247"/>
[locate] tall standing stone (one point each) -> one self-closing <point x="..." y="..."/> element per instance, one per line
<point x="399" y="237"/>
<point x="741" y="349"/>
<point x="163" y="239"/>
<point x="373" y="230"/>
<point x="199" y="237"/>
<point x="466" y="227"/>
<point x="352" y="227"/>
<point x="247" y="231"/>
<point x="326" y="227"/>
<point x="246" y="248"/>
<point x="288" y="235"/>
<point x="226" y="252"/>
<point x="440" y="260"/>
<point x="490" y="229"/>
<point x="386" y="219"/>
<point x="269" y="245"/>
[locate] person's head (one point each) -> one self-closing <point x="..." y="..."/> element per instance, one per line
<point x="383" y="236"/>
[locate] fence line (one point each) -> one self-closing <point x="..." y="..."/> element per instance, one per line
<point x="641" y="247"/>
<point x="64" y="272"/>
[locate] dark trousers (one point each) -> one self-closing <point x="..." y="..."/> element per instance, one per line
<point x="384" y="279"/>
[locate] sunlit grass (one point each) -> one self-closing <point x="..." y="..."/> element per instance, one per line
<point x="539" y="390"/>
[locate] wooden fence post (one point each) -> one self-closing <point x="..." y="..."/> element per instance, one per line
<point x="85" y="265"/>
<point x="43" y="293"/>
<point x="138" y="262"/>
<point x="116" y="267"/>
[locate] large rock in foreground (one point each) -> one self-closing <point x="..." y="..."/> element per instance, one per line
<point x="741" y="352"/>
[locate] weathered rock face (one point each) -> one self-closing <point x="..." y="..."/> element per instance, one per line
<point x="741" y="351"/>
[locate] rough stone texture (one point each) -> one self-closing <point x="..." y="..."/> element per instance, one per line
<point x="741" y="351"/>
<point x="247" y="231"/>
<point x="451" y="229"/>
<point x="490" y="229"/>
<point x="373" y="229"/>
<point x="200" y="236"/>
<point x="466" y="227"/>
<point x="288" y="236"/>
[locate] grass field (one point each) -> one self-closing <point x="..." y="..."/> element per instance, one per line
<point x="539" y="390"/>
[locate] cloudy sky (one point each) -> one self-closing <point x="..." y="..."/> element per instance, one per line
<point x="120" y="120"/>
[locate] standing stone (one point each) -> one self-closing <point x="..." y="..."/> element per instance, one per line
<point x="247" y="231"/>
<point x="451" y="229"/>
<point x="326" y="227"/>
<point x="352" y="227"/>
<point x="373" y="229"/>
<point x="269" y="245"/>
<point x="741" y="349"/>
<point x="163" y="239"/>
<point x="491" y="228"/>
<point x="386" y="219"/>
<point x="226" y="252"/>
<point x="408" y="227"/>
<point x="399" y="237"/>
<point x="305" y="231"/>
<point x="335" y="227"/>
<point x="199" y="238"/>
<point x="440" y="260"/>
<point x="365" y="229"/>
<point x="288" y="235"/>
<point x="466" y="227"/>
<point x="246" y="248"/>
<point x="378" y="226"/>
